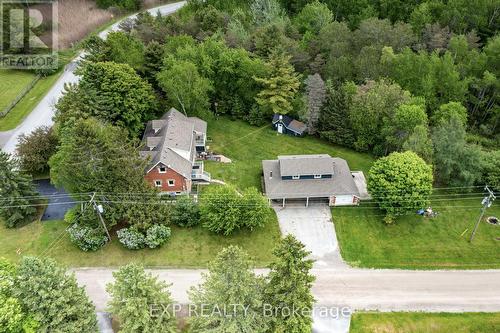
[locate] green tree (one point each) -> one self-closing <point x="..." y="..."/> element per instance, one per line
<point x="220" y="209"/>
<point x="185" y="87"/>
<point x="289" y="286"/>
<point x="266" y="11"/>
<point x="449" y="110"/>
<point x="17" y="192"/>
<point x="111" y="92"/>
<point x="372" y="103"/>
<point x="254" y="208"/>
<point x="153" y="58"/>
<point x="400" y="182"/>
<point x="35" y="149"/>
<point x="457" y="163"/>
<point x="334" y="123"/>
<point x="53" y="297"/>
<point x="313" y="17"/>
<point x="399" y="126"/>
<point x="138" y="300"/>
<point x="230" y="281"/>
<point x="280" y="88"/>
<point x="490" y="166"/>
<point x="186" y="212"/>
<point x="125" y="49"/>
<point x="420" y="142"/>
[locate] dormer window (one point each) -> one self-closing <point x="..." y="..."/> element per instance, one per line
<point x="317" y="176"/>
<point x="295" y="177"/>
<point x="162" y="169"/>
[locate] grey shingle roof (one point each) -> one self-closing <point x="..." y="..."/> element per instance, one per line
<point x="170" y="141"/>
<point x="295" y="165"/>
<point x="341" y="183"/>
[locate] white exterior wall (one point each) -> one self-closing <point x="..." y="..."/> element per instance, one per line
<point x="344" y="200"/>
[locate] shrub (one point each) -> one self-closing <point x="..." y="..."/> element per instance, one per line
<point x="87" y="238"/>
<point x="131" y="238"/>
<point x="185" y="213"/>
<point x="157" y="235"/>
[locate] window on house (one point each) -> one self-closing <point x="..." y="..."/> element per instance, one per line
<point x="317" y="176"/>
<point x="171" y="182"/>
<point x="295" y="177"/>
<point x="158" y="183"/>
<point x="162" y="169"/>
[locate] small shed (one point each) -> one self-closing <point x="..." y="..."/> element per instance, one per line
<point x="287" y="125"/>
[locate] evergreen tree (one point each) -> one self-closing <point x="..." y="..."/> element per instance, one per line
<point x="138" y="300"/>
<point x="233" y="293"/>
<point x="53" y="297"/>
<point x="280" y="87"/>
<point x="289" y="287"/>
<point x="17" y="191"/>
<point x="334" y="122"/>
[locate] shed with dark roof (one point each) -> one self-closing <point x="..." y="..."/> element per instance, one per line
<point x="287" y="125"/>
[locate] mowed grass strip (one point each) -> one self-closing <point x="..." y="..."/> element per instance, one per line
<point x="418" y="322"/>
<point x="248" y="145"/>
<point x="416" y="242"/>
<point x="12" y="83"/>
<point x="187" y="247"/>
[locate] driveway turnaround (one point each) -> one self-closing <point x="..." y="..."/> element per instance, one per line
<point x="59" y="201"/>
<point x="314" y="228"/>
<point x="42" y="114"/>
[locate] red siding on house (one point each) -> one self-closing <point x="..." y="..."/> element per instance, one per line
<point x="181" y="184"/>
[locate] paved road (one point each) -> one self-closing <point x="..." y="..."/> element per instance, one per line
<point x="42" y="114"/>
<point x="59" y="200"/>
<point x="360" y="289"/>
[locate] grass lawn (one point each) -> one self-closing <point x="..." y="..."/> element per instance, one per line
<point x="415" y="242"/>
<point x="33" y="97"/>
<point x="248" y="145"/>
<point x="12" y="82"/>
<point x="190" y="248"/>
<point x="418" y="322"/>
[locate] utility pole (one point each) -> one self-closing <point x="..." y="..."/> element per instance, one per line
<point x="100" y="210"/>
<point x="487" y="202"/>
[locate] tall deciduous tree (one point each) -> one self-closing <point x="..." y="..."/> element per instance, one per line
<point x="400" y="182"/>
<point x="280" y="88"/>
<point x="17" y="192"/>
<point x="457" y="163"/>
<point x="138" y="300"/>
<point x="313" y="17"/>
<point x="372" y="103"/>
<point x="185" y="87"/>
<point x="231" y="286"/>
<point x="419" y="142"/>
<point x="316" y="95"/>
<point x="289" y="286"/>
<point x="35" y="149"/>
<point x="53" y="296"/>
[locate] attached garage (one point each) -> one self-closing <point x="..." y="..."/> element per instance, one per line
<point x="309" y="178"/>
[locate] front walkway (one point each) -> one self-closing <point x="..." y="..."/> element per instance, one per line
<point x="314" y="228"/>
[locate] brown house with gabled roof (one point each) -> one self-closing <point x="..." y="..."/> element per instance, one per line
<point x="172" y="145"/>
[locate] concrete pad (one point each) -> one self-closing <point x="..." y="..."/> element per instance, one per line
<point x="360" y="181"/>
<point x="314" y="228"/>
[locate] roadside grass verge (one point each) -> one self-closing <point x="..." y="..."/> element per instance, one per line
<point x="187" y="247"/>
<point x="248" y="145"/>
<point x="419" y="322"/>
<point x="416" y="242"/>
<point x="12" y="82"/>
